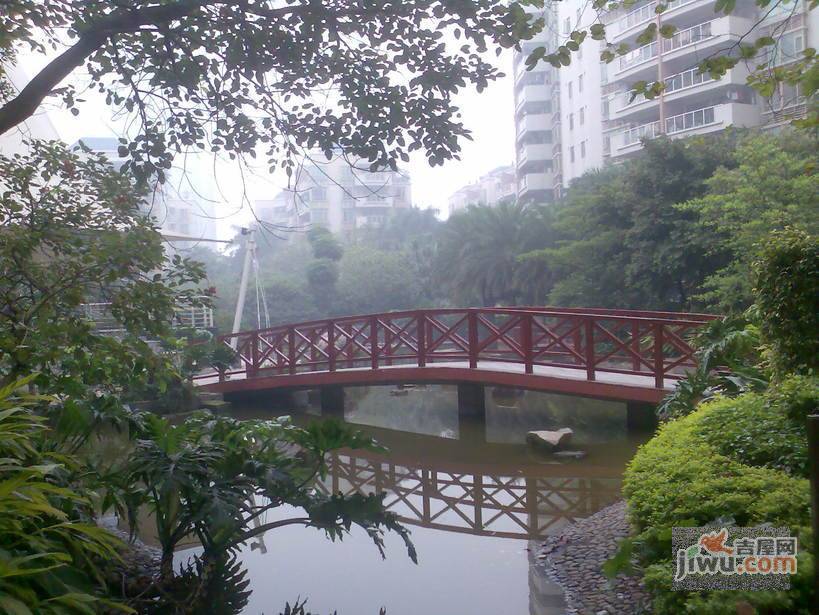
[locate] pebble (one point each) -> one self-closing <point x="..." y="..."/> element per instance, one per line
<point x="574" y="558"/>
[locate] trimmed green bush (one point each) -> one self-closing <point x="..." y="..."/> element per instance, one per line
<point x="756" y="432"/>
<point x="702" y="468"/>
<point x="679" y="477"/>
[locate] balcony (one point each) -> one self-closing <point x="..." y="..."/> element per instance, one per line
<point x="533" y="93"/>
<point x="699" y="121"/>
<point x="533" y="182"/>
<point x="535" y="122"/>
<point x="685" y="89"/>
<point x="535" y="152"/>
<point x="681" y="51"/>
<point x="634" y="22"/>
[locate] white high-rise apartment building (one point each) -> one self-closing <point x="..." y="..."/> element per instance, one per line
<point x="596" y="122"/>
<point x="496" y="187"/>
<point x="338" y="195"/>
<point x="536" y="112"/>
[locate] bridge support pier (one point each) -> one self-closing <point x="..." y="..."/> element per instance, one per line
<point x="641" y="417"/>
<point x="332" y="401"/>
<point x="471" y="400"/>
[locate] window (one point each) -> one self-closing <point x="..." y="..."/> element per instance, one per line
<point x="580" y="84"/>
<point x="571" y="121"/>
<point x="567" y="26"/>
<point x="790" y="47"/>
<point x="604" y="108"/>
<point x="582" y="149"/>
<point x="319" y="216"/>
<point x="582" y="115"/>
<point x="349" y="215"/>
<point x="570" y="90"/>
<point x="318" y="194"/>
<point x="571" y="153"/>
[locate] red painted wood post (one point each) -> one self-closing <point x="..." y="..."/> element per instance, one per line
<point x="331" y="345"/>
<point x="588" y="329"/>
<point x="291" y="349"/>
<point x="374" y="342"/>
<point x="659" y="366"/>
<point x="254" y="355"/>
<point x="526" y="342"/>
<point x="421" y="333"/>
<point x="635" y="345"/>
<point x="472" y="323"/>
<point x="388" y="341"/>
<point x="577" y="342"/>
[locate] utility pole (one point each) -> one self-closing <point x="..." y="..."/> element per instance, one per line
<point x="250" y="249"/>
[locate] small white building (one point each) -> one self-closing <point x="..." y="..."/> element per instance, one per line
<point x="497" y="186"/>
<point x="340" y="194"/>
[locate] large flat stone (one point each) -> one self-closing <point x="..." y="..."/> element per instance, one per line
<point x="549" y="441"/>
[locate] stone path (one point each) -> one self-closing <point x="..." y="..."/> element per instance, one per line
<point x="574" y="558"/>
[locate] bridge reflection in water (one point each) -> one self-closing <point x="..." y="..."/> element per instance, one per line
<point x="480" y="501"/>
<point x="456" y="498"/>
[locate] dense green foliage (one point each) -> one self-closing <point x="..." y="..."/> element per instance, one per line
<point x="52" y="555"/>
<point x="756" y="429"/>
<point x="701" y="469"/>
<point x="786" y="277"/>
<point x="771" y="184"/>
<point x="734" y="460"/>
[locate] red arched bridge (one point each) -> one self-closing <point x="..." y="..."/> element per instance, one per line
<point x="633" y="356"/>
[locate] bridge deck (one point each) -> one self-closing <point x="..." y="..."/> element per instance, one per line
<point x="613" y="354"/>
<point x="609" y="385"/>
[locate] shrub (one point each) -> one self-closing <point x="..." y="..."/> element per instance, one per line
<point x="697" y="471"/>
<point x="678" y="477"/>
<point x="786" y="280"/>
<point x="756" y="432"/>
<point x="797" y="396"/>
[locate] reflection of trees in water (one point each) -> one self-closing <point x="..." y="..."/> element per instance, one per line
<point x="458" y="500"/>
<point x="420" y="409"/>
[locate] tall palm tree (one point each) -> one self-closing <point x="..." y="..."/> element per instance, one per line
<point x="479" y="250"/>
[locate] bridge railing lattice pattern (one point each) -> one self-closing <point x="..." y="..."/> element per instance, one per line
<point x="656" y="344"/>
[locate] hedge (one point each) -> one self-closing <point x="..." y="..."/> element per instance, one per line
<point x="704" y="468"/>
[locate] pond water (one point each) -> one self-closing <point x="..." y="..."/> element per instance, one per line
<point x="476" y="499"/>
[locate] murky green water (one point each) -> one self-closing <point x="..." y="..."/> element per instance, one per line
<point x="476" y="498"/>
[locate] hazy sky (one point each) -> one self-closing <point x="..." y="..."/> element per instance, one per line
<point x="489" y="115"/>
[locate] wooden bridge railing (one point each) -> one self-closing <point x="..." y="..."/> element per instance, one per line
<point x="595" y="340"/>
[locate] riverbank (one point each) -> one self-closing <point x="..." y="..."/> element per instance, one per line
<point x="574" y="559"/>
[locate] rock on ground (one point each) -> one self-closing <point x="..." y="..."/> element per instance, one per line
<point x="574" y="560"/>
<point x="550" y="440"/>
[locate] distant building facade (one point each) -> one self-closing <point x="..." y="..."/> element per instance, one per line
<point x="338" y="195"/>
<point x="178" y="208"/>
<point x="497" y="186"/>
<point x="584" y="115"/>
